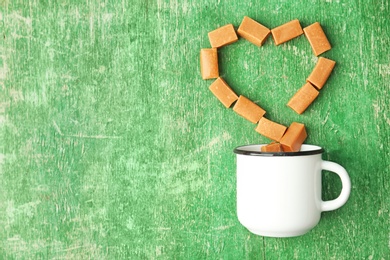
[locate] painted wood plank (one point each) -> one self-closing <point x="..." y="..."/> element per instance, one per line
<point x="112" y="146"/>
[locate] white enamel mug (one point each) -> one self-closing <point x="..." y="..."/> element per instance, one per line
<point x="279" y="194"/>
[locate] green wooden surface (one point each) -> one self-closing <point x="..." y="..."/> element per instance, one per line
<point x="112" y="146"/>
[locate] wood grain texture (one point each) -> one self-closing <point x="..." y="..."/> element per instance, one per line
<point x="112" y="146"/>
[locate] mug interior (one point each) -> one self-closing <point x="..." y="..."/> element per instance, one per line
<point x="255" y="150"/>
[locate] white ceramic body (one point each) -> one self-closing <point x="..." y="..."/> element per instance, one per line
<point x="280" y="196"/>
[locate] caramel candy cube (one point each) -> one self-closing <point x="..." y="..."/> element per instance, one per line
<point x="321" y="72"/>
<point x="294" y="137"/>
<point x="209" y="63"/>
<point x="303" y="98"/>
<point x="248" y="110"/>
<point x="222" y="36"/>
<point x="253" y="31"/>
<point x="223" y="92"/>
<point x="286" y="32"/>
<point x="270" y="129"/>
<point x="317" y="38"/>
<point x="272" y="148"/>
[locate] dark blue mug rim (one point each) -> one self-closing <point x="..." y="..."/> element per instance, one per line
<point x="307" y="149"/>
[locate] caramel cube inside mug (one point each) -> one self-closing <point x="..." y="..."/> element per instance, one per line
<point x="223" y="92"/>
<point x="317" y="38"/>
<point x="321" y="72"/>
<point x="209" y="63"/>
<point x="303" y="98"/>
<point x="270" y="129"/>
<point x="222" y="36"/>
<point x="286" y="32"/>
<point x="253" y="31"/>
<point x="272" y="147"/>
<point x="294" y="137"/>
<point x="248" y="110"/>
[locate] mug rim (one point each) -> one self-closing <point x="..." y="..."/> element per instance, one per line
<point x="306" y="149"/>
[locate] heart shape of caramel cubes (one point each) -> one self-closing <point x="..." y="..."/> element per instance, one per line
<point x="285" y="139"/>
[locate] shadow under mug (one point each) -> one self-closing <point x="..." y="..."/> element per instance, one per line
<point x="279" y="194"/>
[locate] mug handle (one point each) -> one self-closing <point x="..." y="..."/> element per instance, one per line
<point x="345" y="191"/>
